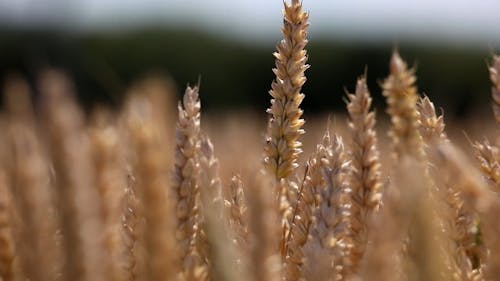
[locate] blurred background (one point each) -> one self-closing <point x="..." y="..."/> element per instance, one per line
<point x="107" y="44"/>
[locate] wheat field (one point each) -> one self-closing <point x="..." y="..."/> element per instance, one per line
<point x="151" y="191"/>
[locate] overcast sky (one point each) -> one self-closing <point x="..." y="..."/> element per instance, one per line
<point x="475" y="21"/>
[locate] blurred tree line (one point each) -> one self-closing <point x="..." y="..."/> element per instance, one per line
<point x="234" y="74"/>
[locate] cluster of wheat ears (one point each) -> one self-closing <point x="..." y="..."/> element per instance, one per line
<point x="116" y="197"/>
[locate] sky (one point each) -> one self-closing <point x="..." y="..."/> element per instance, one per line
<point x="460" y="21"/>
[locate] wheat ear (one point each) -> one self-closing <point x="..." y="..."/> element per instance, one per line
<point x="111" y="182"/>
<point x="211" y="191"/>
<point x="495" y="89"/>
<point x="75" y="193"/>
<point x="237" y="212"/>
<point x="7" y="244"/>
<point x="431" y="126"/>
<point x="131" y="229"/>
<point x="365" y="178"/>
<point x="476" y="196"/>
<point x="488" y="155"/>
<point x="285" y="125"/>
<point x="28" y="181"/>
<point x="185" y="185"/>
<point x="147" y="135"/>
<point x="220" y="255"/>
<point x="401" y="95"/>
<point x="332" y="216"/>
<point x="463" y="222"/>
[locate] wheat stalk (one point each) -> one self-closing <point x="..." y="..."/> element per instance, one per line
<point x="299" y="228"/>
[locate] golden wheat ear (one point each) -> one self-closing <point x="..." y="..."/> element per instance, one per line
<point x="478" y="197"/>
<point x="331" y="229"/>
<point x="237" y="213"/>
<point x="488" y="155"/>
<point x="147" y="137"/>
<point x="186" y="185"/>
<point x="365" y="177"/>
<point x="494" y="70"/>
<point x="401" y="95"/>
<point x="285" y="124"/>
<point x="431" y="126"/>
<point x="76" y="195"/>
<point x="7" y="244"/>
<point x="460" y="223"/>
<point x="111" y="182"/>
<point x="29" y="183"/>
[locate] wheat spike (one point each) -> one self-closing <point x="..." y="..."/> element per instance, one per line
<point x="131" y="229"/>
<point x="488" y="155"/>
<point x="365" y="178"/>
<point x="74" y="188"/>
<point x="431" y="126"/>
<point x="401" y="95"/>
<point x="463" y="222"/>
<point x="285" y="125"/>
<point x="332" y="216"/>
<point x="478" y="197"/>
<point x="147" y="135"/>
<point x="211" y="191"/>
<point x="185" y="185"/>
<point x="237" y="212"/>
<point x="220" y="255"/>
<point x="7" y="244"/>
<point x="111" y="182"/>
<point x="29" y="184"/>
<point x="495" y="89"/>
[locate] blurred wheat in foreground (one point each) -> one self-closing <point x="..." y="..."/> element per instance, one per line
<point x="139" y="193"/>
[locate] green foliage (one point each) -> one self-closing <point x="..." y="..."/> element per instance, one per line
<point x="237" y="74"/>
